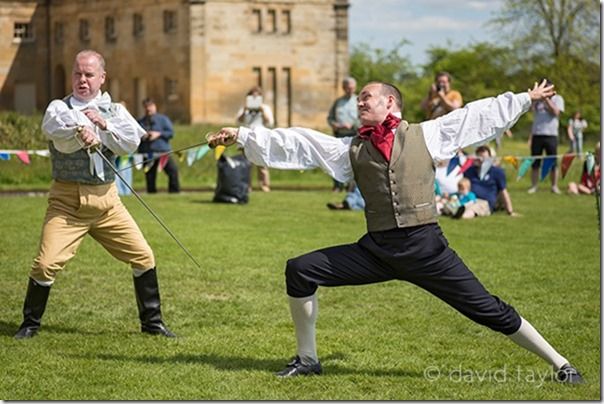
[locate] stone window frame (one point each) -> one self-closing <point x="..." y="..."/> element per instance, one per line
<point x="171" y="89"/>
<point x="84" y="30"/>
<point x="138" y="25"/>
<point x="286" y="21"/>
<point x="59" y="32"/>
<point x="256" y="20"/>
<point x="273" y="26"/>
<point x="110" y="29"/>
<point x="23" y="32"/>
<point x="170" y="21"/>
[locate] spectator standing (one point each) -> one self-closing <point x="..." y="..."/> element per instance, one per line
<point x="544" y="136"/>
<point x="576" y="124"/>
<point x="159" y="131"/>
<point x="343" y="117"/>
<point x="83" y="197"/>
<point x="441" y="99"/>
<point x="256" y="114"/>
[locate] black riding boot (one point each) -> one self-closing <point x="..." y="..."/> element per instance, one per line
<point x="33" y="309"/>
<point x="149" y="307"/>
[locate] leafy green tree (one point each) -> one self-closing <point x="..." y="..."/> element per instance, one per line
<point x="552" y="27"/>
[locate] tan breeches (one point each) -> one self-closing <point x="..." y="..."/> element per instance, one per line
<point x="75" y="210"/>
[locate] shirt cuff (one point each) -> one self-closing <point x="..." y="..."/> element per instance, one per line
<point x="525" y="100"/>
<point x="242" y="135"/>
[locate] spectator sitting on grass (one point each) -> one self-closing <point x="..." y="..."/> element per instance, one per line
<point x="589" y="181"/>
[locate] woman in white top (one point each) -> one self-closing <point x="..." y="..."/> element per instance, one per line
<point x="576" y="124"/>
<point x="254" y="114"/>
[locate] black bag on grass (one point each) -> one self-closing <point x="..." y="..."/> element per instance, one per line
<point x="233" y="179"/>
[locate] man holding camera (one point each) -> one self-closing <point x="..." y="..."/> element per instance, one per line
<point x="441" y="99"/>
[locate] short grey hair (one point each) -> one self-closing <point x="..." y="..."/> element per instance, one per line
<point x="348" y="80"/>
<point x="90" y="52"/>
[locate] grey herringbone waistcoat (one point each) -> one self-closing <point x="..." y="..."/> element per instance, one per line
<point x="75" y="167"/>
<point x="399" y="193"/>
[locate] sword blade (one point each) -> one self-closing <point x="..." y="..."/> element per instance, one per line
<point x="164" y="154"/>
<point x="141" y="200"/>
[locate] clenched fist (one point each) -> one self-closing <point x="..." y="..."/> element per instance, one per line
<point x="225" y="137"/>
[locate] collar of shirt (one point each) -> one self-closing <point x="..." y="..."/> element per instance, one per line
<point x="101" y="101"/>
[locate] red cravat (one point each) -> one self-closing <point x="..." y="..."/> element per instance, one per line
<point x="381" y="136"/>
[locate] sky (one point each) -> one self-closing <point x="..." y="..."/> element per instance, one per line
<point x="383" y="23"/>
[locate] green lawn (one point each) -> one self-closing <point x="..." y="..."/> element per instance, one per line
<point x="378" y="342"/>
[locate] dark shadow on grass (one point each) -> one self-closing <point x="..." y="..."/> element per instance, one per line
<point x="236" y="363"/>
<point x="10" y="328"/>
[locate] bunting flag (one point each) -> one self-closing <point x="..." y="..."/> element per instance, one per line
<point x="454" y="162"/>
<point x="163" y="160"/>
<point x="181" y="156"/>
<point x="218" y="151"/>
<point x="567" y="160"/>
<point x="513" y="160"/>
<point x="590" y="163"/>
<point x="202" y="151"/>
<point x="148" y="164"/>
<point x="468" y="163"/>
<point x="526" y="164"/>
<point x="4" y="156"/>
<point x="23" y="156"/>
<point x="546" y="167"/>
<point x="42" y="153"/>
<point x="485" y="167"/>
<point x="191" y="153"/>
<point x="138" y="161"/>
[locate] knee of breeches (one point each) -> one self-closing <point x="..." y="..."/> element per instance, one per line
<point x="293" y="268"/>
<point x="43" y="271"/>
<point x="297" y="284"/>
<point x="144" y="261"/>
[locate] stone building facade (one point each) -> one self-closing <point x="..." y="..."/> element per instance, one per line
<point x="196" y="58"/>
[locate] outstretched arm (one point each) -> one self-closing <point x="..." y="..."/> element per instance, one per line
<point x="291" y="149"/>
<point x="479" y="121"/>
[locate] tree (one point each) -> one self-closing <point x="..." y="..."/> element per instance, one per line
<point x="553" y="28"/>
<point x="368" y="64"/>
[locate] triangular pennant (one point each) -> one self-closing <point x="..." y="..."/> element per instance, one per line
<point x="4" y="156"/>
<point x="42" y="153"/>
<point x="218" y="151"/>
<point x="202" y="151"/>
<point x="566" y="162"/>
<point x="513" y="160"/>
<point x="163" y="160"/>
<point x="148" y="164"/>
<point x="547" y="165"/>
<point x="485" y="167"/>
<point x="454" y="162"/>
<point x="181" y="156"/>
<point x="23" y="156"/>
<point x="590" y="163"/>
<point x="524" y="166"/>
<point x="467" y="164"/>
<point x="138" y="161"/>
<point x="191" y="153"/>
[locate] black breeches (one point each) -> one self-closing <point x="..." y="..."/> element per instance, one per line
<point x="420" y="255"/>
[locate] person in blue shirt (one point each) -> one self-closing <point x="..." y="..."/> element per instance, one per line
<point x="157" y="140"/>
<point x="490" y="189"/>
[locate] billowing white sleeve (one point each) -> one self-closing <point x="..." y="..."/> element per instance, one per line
<point x="476" y="123"/>
<point x="123" y="134"/>
<point x="297" y="149"/>
<point x="60" y="123"/>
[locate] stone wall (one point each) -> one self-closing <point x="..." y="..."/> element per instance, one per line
<point x="201" y="69"/>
